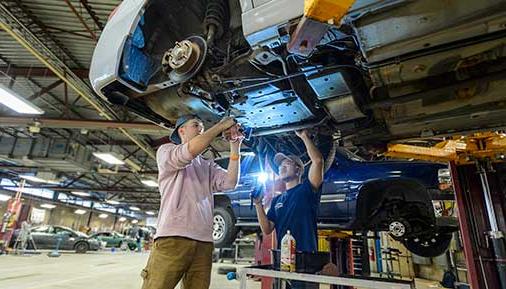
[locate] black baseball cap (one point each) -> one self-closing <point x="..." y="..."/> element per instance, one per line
<point x="174" y="136"/>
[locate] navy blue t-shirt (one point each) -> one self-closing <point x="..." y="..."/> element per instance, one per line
<point x="297" y="210"/>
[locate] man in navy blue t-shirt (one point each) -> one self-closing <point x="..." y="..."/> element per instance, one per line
<point x="296" y="209"/>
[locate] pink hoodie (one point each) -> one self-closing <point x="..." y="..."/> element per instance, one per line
<point x="186" y="185"/>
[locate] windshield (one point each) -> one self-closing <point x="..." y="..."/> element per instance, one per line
<point x="349" y="155"/>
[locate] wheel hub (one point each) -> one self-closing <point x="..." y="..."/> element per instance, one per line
<point x="397" y="229"/>
<point x="180" y="54"/>
<point x="218" y="227"/>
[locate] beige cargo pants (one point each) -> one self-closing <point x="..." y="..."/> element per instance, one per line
<point x="176" y="258"/>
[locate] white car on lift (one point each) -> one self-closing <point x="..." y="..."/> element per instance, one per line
<point x="389" y="70"/>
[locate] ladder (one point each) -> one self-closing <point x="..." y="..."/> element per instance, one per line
<point x="358" y="261"/>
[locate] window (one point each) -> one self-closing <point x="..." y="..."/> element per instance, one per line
<point x="37" y="216"/>
<point x="41" y="229"/>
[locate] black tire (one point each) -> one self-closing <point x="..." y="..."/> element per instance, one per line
<point x="119" y="244"/>
<point x="132" y="247"/>
<point x="429" y="245"/>
<point x="224" y="230"/>
<point x="81" y="247"/>
<point x="224" y="270"/>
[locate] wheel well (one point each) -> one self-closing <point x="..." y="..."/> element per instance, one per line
<point x="222" y="201"/>
<point x="376" y="194"/>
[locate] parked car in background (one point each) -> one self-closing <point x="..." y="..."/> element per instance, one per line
<point x="46" y="237"/>
<point x="114" y="239"/>
<point x="358" y="195"/>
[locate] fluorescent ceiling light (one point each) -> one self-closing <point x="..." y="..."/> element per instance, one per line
<point x="150" y="183"/>
<point x="103" y="216"/>
<point x="80" y="212"/>
<point x="4" y="198"/>
<point x="134" y="209"/>
<point x="109" y="158"/>
<point x="112" y="202"/>
<point x="48" y="206"/>
<point x="17" y="103"/>
<point x="135" y="221"/>
<point x="151" y="213"/>
<point x="38" y="180"/>
<point x="82" y="194"/>
<point x="248" y="154"/>
<point x="122" y="219"/>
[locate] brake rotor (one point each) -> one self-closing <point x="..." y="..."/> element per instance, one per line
<point x="185" y="59"/>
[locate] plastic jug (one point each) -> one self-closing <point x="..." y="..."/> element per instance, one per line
<point x="288" y="253"/>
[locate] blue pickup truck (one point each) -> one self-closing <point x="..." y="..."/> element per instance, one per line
<point x="358" y="195"/>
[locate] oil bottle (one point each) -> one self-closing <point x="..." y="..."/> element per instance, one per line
<point x="288" y="253"/>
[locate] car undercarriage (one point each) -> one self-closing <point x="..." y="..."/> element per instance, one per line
<point x="391" y="70"/>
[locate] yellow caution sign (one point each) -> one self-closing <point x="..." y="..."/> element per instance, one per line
<point x="327" y="10"/>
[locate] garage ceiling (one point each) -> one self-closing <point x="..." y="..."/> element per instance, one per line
<point x="45" y="52"/>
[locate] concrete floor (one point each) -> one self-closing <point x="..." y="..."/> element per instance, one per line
<point x="100" y="270"/>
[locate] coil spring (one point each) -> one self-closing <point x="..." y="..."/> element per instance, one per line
<point x="217" y="15"/>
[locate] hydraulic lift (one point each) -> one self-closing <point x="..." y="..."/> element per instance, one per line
<point x="478" y="170"/>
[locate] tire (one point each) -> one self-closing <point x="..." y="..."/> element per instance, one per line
<point x="224" y="230"/>
<point x="119" y="245"/>
<point x="429" y="245"/>
<point x="81" y="247"/>
<point x="132" y="247"/>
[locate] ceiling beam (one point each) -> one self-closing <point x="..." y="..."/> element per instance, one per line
<point x="80" y="17"/>
<point x="38" y="72"/>
<point x="14" y="121"/>
<point x="89" y="189"/>
<point x="45" y="90"/>
<point x="28" y="18"/>
<point x="25" y="169"/>
<point x="92" y="14"/>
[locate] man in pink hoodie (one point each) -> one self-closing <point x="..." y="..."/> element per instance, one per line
<point x="183" y="244"/>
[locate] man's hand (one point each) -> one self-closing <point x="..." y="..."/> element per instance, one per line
<point x="226" y="123"/>
<point x="234" y="135"/>
<point x="303" y="133"/>
<point x="329" y="269"/>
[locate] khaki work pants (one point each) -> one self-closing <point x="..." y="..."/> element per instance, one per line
<point x="173" y="258"/>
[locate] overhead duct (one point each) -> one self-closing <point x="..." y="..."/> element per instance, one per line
<point x="50" y="153"/>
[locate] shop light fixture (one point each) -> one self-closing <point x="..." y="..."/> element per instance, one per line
<point x="48" y="206"/>
<point x="122" y="219"/>
<point x="17" y="103"/>
<point x="81" y="194"/>
<point x="112" y="202"/>
<point x="135" y="221"/>
<point x="151" y="213"/>
<point x="38" y="180"/>
<point x="150" y="183"/>
<point x="109" y="158"/>
<point x="103" y="216"/>
<point x="4" y="198"/>
<point x="80" y="212"/>
<point x="134" y="208"/>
